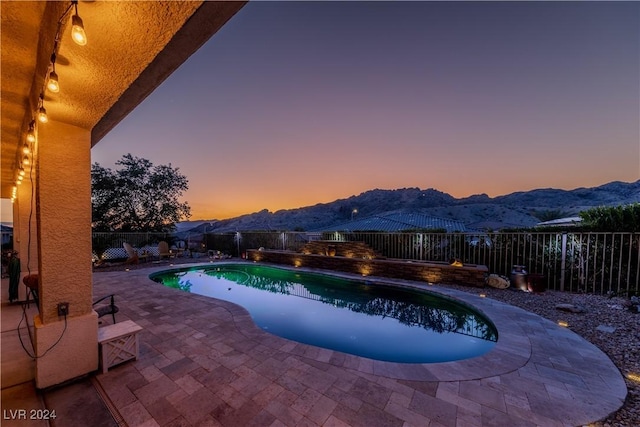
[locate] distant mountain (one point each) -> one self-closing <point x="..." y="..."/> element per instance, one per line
<point x="520" y="209"/>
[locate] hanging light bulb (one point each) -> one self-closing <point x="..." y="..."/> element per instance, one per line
<point x="42" y="115"/>
<point x="25" y="148"/>
<point x="77" y="31"/>
<point x="53" y="84"/>
<point x="42" y="112"/>
<point x="25" y="160"/>
<point x="21" y="172"/>
<point x="20" y="178"/>
<point x="77" y="28"/>
<point x="31" y="133"/>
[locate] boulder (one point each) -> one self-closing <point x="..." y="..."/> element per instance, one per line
<point x="571" y="308"/>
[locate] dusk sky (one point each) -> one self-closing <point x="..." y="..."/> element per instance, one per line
<point x="295" y="103"/>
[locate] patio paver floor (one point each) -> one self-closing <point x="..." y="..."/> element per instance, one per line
<point x="204" y="362"/>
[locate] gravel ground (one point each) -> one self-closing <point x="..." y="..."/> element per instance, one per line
<point x="622" y="344"/>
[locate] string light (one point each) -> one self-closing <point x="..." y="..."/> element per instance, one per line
<point x="52" y="83"/>
<point x="31" y="134"/>
<point x="42" y="112"/>
<point x="42" y="115"/>
<point x="77" y="28"/>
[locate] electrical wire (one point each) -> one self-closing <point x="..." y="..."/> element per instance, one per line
<point x="33" y="166"/>
<point x="24" y="310"/>
<point x="34" y="355"/>
<point x="34" y="160"/>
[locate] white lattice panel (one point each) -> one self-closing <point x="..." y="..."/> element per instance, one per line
<point x="118" y="343"/>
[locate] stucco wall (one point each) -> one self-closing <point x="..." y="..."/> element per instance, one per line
<point x="24" y="224"/>
<point x="64" y="219"/>
<point x="63" y="206"/>
<point x="76" y="353"/>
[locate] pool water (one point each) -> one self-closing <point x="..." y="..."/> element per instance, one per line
<point x="374" y="321"/>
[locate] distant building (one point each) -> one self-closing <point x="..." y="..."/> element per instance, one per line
<point x="493" y="226"/>
<point x="398" y="222"/>
<point x="561" y="222"/>
<point x="7" y="234"/>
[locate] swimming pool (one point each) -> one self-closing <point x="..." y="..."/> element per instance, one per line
<point x="352" y="316"/>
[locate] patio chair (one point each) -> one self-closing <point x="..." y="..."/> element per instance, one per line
<point x="31" y="282"/>
<point x="105" y="306"/>
<point x="131" y="253"/>
<point x="163" y="250"/>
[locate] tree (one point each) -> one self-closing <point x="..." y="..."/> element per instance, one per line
<point x="138" y="196"/>
<point x="613" y="218"/>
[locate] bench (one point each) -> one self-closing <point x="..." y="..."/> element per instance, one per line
<point x="118" y="343"/>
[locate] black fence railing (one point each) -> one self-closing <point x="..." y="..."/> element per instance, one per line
<point x="594" y="262"/>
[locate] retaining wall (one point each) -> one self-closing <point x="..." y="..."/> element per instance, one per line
<point x="431" y="272"/>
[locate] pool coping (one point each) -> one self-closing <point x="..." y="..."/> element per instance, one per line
<point x="567" y="380"/>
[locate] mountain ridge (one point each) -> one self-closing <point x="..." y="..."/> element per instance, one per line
<point x="518" y="209"/>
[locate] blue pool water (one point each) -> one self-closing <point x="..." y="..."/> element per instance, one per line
<point x="356" y="317"/>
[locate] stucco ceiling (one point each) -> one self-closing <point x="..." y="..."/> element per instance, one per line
<point x="132" y="47"/>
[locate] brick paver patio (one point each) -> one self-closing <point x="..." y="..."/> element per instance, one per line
<point x="203" y="362"/>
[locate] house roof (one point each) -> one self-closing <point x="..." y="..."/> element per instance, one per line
<point x="574" y="220"/>
<point x="398" y="222"/>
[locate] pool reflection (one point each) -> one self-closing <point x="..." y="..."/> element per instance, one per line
<point x="379" y="322"/>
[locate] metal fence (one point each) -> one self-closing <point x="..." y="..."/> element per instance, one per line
<point x="586" y="261"/>
<point x="592" y="262"/>
<point x="109" y="246"/>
